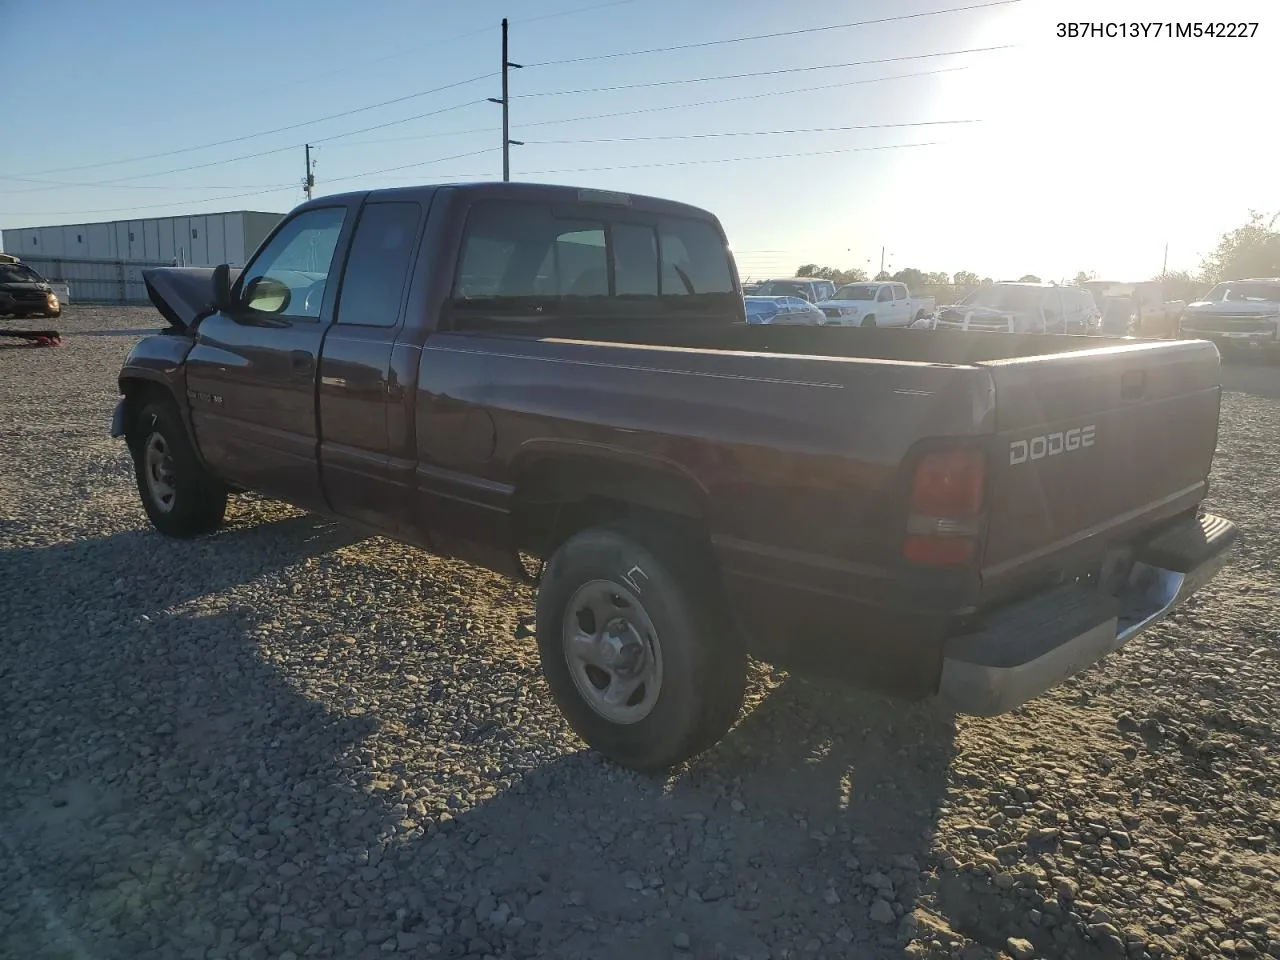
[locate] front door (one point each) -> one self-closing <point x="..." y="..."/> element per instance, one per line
<point x="359" y="398"/>
<point x="251" y="376"/>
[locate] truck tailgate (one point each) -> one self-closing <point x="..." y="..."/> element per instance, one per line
<point x="1092" y="448"/>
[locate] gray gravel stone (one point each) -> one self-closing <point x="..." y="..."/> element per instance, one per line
<point x="288" y="740"/>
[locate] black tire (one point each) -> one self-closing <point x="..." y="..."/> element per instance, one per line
<point x="702" y="663"/>
<point x="868" y="321"/>
<point x="196" y="501"/>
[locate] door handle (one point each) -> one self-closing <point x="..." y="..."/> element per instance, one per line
<point x="300" y="361"/>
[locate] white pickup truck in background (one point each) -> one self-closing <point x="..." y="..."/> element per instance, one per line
<point x="1237" y="315"/>
<point x="875" y="304"/>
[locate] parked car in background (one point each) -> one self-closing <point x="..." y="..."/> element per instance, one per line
<point x="1009" y="307"/>
<point x="23" y="292"/>
<point x="875" y="304"/>
<point x="783" y="310"/>
<point x="1237" y="315"/>
<point x="753" y="286"/>
<point x="1152" y="315"/>
<point x="808" y="288"/>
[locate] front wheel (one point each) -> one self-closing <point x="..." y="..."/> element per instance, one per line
<point x="181" y="497"/>
<point x="868" y="321"/>
<point x="635" y="647"/>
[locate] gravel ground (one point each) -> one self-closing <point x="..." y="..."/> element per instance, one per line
<point x="287" y="741"/>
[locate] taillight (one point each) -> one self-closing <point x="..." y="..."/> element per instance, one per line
<point x="944" y="516"/>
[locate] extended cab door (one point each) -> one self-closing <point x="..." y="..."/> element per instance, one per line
<point x="365" y="406"/>
<point x="884" y="305"/>
<point x="901" y="305"/>
<point x="251" y="376"/>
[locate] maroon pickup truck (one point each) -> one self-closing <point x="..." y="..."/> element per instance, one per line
<point x="560" y="385"/>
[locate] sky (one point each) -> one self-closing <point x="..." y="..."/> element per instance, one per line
<point x="950" y="139"/>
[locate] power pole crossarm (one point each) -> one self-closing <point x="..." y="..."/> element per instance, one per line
<point x="505" y="103"/>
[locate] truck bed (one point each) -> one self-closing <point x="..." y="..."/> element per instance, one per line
<point x="1090" y="442"/>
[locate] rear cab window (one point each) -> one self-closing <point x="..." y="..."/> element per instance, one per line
<point x="527" y="260"/>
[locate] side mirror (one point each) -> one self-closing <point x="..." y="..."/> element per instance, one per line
<point x="266" y="295"/>
<point x="222" y="288"/>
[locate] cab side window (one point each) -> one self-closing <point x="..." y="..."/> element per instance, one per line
<point x="377" y="271"/>
<point x="289" y="277"/>
<point x="884" y="295"/>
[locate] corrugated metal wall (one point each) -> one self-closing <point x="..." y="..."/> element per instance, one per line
<point x="95" y="281"/>
<point x="205" y="240"/>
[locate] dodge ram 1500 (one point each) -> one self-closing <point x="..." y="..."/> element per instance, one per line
<point x="560" y="385"/>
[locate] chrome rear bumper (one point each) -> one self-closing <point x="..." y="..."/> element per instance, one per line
<point x="1037" y="643"/>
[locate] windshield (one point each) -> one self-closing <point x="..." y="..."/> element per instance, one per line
<point x="1265" y="292"/>
<point x="1004" y="298"/>
<point x="17" y="273"/>
<point x="784" y="288"/>
<point x="856" y="291"/>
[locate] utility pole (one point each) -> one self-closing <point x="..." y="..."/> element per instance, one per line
<point x="505" y="103"/>
<point x="882" y="260"/>
<point x="309" y="181"/>
<point x="1164" y="267"/>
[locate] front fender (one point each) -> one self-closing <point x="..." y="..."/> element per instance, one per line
<point x="154" y="368"/>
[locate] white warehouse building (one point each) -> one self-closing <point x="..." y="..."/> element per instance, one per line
<point x="203" y="240"/>
<point x="103" y="262"/>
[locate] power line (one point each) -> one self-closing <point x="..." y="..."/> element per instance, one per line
<point x="264" y="133"/>
<point x="120" y="181"/>
<point x="456" y="177"/>
<point x="408" y="166"/>
<point x="773" y="36"/>
<point x="772" y="156"/>
<point x="682" y="163"/>
<point x="739" y="99"/>
<point x="766" y="73"/>
<point x="401" y="99"/>
<point x="673" y="106"/>
<point x="152" y="206"/>
<point x="755" y="133"/>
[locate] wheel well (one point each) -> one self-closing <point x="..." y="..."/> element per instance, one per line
<point x="557" y="498"/>
<point x="138" y="394"/>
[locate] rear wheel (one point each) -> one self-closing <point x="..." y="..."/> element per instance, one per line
<point x="181" y="497"/>
<point x="636" y="649"/>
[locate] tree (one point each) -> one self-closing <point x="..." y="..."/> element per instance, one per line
<point x="1252" y="250"/>
<point x="1179" y="285"/>
<point x="1085" y="277"/>
<point x="884" y="275"/>
<point x="852" y="275"/>
<point x="965" y="278"/>
<point x="911" y="277"/>
<point x="1029" y="278"/>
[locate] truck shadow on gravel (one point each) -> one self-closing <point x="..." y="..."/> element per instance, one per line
<point x="136" y="572"/>
<point x="167" y="791"/>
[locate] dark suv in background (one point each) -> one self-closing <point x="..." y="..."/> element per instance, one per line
<point x="23" y="292"/>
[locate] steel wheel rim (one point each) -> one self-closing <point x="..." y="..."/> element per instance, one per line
<point x="157" y="465"/>
<point x="612" y="650"/>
